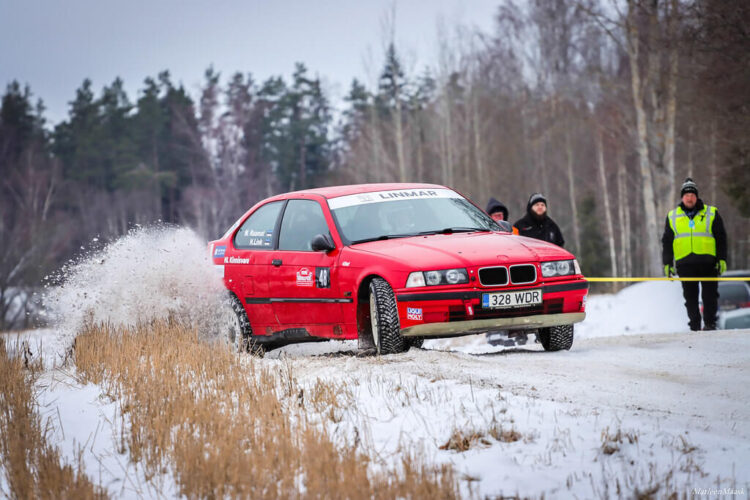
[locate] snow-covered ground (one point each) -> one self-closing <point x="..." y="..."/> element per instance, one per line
<point x="638" y="402"/>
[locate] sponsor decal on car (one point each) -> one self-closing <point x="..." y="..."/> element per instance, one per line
<point x="386" y="196"/>
<point x="236" y="260"/>
<point x="323" y="277"/>
<point x="414" y="313"/>
<point x="220" y="251"/>
<point x="305" y="277"/>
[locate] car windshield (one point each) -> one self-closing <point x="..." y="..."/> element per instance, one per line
<point x="406" y="212"/>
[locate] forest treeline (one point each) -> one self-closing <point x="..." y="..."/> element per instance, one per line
<point x="604" y="107"/>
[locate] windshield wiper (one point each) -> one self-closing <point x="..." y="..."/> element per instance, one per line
<point x="449" y="230"/>
<point x="383" y="237"/>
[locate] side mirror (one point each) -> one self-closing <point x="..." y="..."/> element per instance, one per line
<point x="322" y="242"/>
<point x="505" y="226"/>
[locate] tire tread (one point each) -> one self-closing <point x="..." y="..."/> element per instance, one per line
<point x="556" y="338"/>
<point x="391" y="340"/>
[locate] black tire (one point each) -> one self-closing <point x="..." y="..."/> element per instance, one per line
<point x="239" y="331"/>
<point x="386" y="334"/>
<point x="556" y="338"/>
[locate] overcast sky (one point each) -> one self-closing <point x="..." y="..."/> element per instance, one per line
<point x="53" y="45"/>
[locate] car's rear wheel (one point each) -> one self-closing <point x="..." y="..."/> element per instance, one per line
<point x="238" y="330"/>
<point x="556" y="338"/>
<point x="384" y="321"/>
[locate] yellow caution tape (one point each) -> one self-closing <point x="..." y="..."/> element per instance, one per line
<point x="613" y="280"/>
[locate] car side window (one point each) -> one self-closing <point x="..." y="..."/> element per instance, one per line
<point x="302" y="220"/>
<point x="257" y="231"/>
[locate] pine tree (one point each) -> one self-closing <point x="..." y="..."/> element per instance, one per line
<point x="18" y="125"/>
<point x="77" y="141"/>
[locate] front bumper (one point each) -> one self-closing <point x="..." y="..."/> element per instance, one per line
<point x="485" y="325"/>
<point x="447" y="312"/>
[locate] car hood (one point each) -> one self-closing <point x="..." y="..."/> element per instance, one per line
<point x="443" y="251"/>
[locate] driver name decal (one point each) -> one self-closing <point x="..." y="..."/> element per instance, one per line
<point x="236" y="260"/>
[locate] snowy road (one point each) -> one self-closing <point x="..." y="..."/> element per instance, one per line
<point x="695" y="375"/>
<point x="698" y="375"/>
<point x="681" y="398"/>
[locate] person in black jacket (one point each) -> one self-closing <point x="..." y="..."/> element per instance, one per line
<point x="537" y="224"/>
<point x="695" y="242"/>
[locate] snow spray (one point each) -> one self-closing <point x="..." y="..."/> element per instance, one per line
<point x="152" y="273"/>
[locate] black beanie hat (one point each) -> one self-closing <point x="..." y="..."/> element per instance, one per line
<point x="689" y="186"/>
<point x="536" y="198"/>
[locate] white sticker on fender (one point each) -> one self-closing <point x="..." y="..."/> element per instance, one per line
<point x="395" y="195"/>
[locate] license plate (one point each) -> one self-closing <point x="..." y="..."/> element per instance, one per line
<point x="511" y="299"/>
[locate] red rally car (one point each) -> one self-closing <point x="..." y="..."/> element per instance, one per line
<point x="390" y="264"/>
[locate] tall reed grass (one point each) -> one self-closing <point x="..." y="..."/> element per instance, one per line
<point x="229" y="426"/>
<point x="32" y="466"/>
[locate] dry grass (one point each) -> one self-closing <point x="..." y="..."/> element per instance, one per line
<point x="225" y="425"/>
<point x="611" y="441"/>
<point x="463" y="440"/>
<point x="32" y="467"/>
<point x="503" y="435"/>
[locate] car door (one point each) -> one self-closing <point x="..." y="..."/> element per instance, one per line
<point x="246" y="263"/>
<point x="303" y="282"/>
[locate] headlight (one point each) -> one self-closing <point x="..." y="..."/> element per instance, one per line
<point x="433" y="278"/>
<point x="560" y="268"/>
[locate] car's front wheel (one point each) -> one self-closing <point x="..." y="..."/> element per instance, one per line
<point x="556" y="338"/>
<point x="386" y="334"/>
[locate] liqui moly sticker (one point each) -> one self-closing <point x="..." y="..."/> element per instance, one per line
<point x="414" y="313"/>
<point x="394" y="195"/>
<point x="305" y="277"/>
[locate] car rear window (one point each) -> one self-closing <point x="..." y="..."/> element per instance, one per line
<point x="733" y="292"/>
<point x="257" y="230"/>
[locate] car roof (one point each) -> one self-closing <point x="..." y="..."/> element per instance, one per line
<point x="738" y="273"/>
<point x="336" y="191"/>
<point x="733" y="284"/>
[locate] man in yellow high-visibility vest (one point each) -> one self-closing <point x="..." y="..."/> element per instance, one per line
<point x="695" y="243"/>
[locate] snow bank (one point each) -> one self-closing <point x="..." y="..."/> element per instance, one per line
<point x="648" y="307"/>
